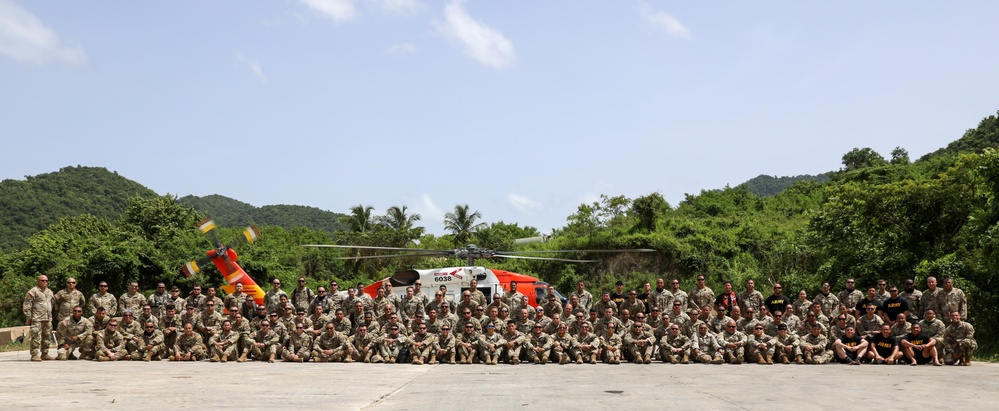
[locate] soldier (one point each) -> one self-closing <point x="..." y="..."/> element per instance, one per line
<point x="514" y="343"/>
<point x="390" y="346"/>
<point x="318" y="319"/>
<point x="237" y="298"/>
<point x="392" y="297"/>
<point x="610" y="344"/>
<point x="466" y="317"/>
<point x="66" y="300"/>
<point x="189" y="346"/>
<point x="777" y="301"/>
<point x="701" y="294"/>
<point x="37" y="308"/>
<point x="633" y="304"/>
<point x="929" y="299"/>
<point x="178" y="301"/>
<point x="302" y="296"/>
<point x="605" y="303"/>
<point x="850" y="296"/>
<point x="585" y="298"/>
<point x="678" y="317"/>
<point x="884" y="347"/>
<point x="466" y="302"/>
<point x="468" y="343"/>
<point x="224" y="345"/>
<point x="300" y="318"/>
<point x="882" y="292"/>
<point x="109" y="345"/>
<point x="704" y="346"/>
<point x="952" y="299"/>
<point x="158" y="300"/>
<point x="491" y="344"/>
<point x="786" y="346"/>
<point x="473" y="287"/>
<point x="803" y="305"/>
<point x="814" y="346"/>
<point x="959" y="338"/>
<point x="298" y="346"/>
<point x="674" y="347"/>
<point x="918" y="347"/>
<point x="421" y="345"/>
<point x="209" y="322"/>
<point x="660" y="297"/>
<point x="900" y="327"/>
<point x="678" y="294"/>
<point x="717" y="323"/>
<point x="733" y="344"/>
<point x="552" y="308"/>
<point x="131" y="299"/>
<point x="150" y="345"/>
<point x="893" y="306"/>
<point x="100" y="321"/>
<point x="265" y="343"/>
<point x="538" y="346"/>
<point x="751" y="298"/>
<point x="272" y="298"/>
<point x="411" y="304"/>
<point x="147" y="315"/>
<point x="443" y="346"/>
<point x="360" y="346"/>
<point x="334" y="298"/>
<point x="806" y="326"/>
<point x="828" y="301"/>
<point x="564" y="345"/>
<point x="524" y="321"/>
<point x="870" y="324"/>
<point x="912" y="296"/>
<point x="213" y="297"/>
<point x="195" y="298"/>
<point x="761" y="346"/>
<point x="102" y="298"/>
<point x="850" y="347"/>
<point x="76" y="332"/>
<point x="932" y="326"/>
<point x="639" y="343"/>
<point x="130" y="330"/>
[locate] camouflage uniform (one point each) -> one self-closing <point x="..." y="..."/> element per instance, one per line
<point x="869" y="325"/>
<point x="443" y="348"/>
<point x="699" y="297"/>
<point x="270" y="340"/>
<point x="764" y="354"/>
<point x="209" y="323"/>
<point x="585" y="299"/>
<point x="675" y="348"/>
<point x="515" y="342"/>
<point x="468" y="346"/>
<point x="900" y="329"/>
<point x="950" y="301"/>
<point x="929" y="302"/>
<point x="390" y="348"/>
<point x="37" y="308"/>
<point x="706" y="348"/>
<point x="662" y="299"/>
<point x="110" y="342"/>
<point x="601" y="306"/>
<point x="131" y="301"/>
<point x="361" y="347"/>
<point x="564" y="348"/>
<point x="935" y="329"/>
<point x="633" y="307"/>
<point x="491" y="355"/>
<point x="76" y="334"/>
<point x="190" y="344"/>
<point x="733" y="355"/>
<point x="477" y="296"/>
<point x="420" y="347"/>
<point x="683" y="320"/>
<point x="171" y="327"/>
<point x="681" y="296"/>
<point x="750" y="299"/>
<point x="815" y="349"/>
<point x="64" y="301"/>
<point x="413" y="305"/>
<point x="915" y="314"/>
<point x="301" y="297"/>
<point x="272" y="299"/>
<point x="787" y="348"/>
<point x="607" y="342"/>
<point x="588" y="347"/>
<point x="959" y="341"/>
<point x="639" y="345"/>
<point x="829" y="302"/>
<point x="156" y="346"/>
<point x="238" y="300"/>
<point x="538" y="347"/>
<point x="130" y="331"/>
<point x="850" y="298"/>
<point x="298" y="344"/>
<point x="717" y="324"/>
<point x="108" y="301"/>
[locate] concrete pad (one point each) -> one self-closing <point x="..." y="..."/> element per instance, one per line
<point x="253" y="385"/>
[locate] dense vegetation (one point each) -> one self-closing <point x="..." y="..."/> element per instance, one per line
<point x="875" y="218"/>
<point x="234" y="213"/>
<point x="764" y="185"/>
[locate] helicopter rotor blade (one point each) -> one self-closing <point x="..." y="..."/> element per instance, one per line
<point x="393" y="256"/>
<point x="544" y="258"/>
<point x="250" y="234"/>
<point x="363" y="247"/>
<point x="633" y="250"/>
<point x="207" y="226"/>
<point x="194" y="267"/>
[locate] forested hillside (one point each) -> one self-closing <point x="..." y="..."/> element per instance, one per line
<point x="764" y="185"/>
<point x="234" y="213"/>
<point x="30" y="205"/>
<point x="876" y="218"/>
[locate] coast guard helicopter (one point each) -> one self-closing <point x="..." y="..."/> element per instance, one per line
<point x="224" y="258"/>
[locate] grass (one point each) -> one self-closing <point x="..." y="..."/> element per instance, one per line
<point x="13" y="346"/>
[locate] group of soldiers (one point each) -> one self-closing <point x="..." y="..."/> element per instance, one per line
<point x="885" y="325"/>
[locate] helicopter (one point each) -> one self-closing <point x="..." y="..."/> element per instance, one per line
<point x="455" y="280"/>
<point x="224" y="258"/>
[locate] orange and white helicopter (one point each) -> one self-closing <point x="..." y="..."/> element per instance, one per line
<point x="458" y="279"/>
<point x="224" y="258"/>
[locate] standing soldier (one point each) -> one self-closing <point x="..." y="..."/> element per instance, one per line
<point x="302" y="296"/>
<point x="37" y="310"/>
<point x="850" y="297"/>
<point x="212" y="297"/>
<point x="66" y="300"/>
<point x="929" y="299"/>
<point x="912" y="295"/>
<point x="660" y="297"/>
<point x="952" y="299"/>
<point x="272" y="298"/>
<point x="150" y="344"/>
<point x="828" y="301"/>
<point x="473" y="287"/>
<point x="334" y="298"/>
<point x="237" y="298"/>
<point x="159" y="299"/>
<point x="76" y="332"/>
<point x="196" y="298"/>
<point x="585" y="298"/>
<point x="750" y="298"/>
<point x="131" y="299"/>
<point x="102" y="298"/>
<point x="512" y="298"/>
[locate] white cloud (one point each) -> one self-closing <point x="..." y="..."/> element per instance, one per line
<point x="25" y="39"/>
<point x="253" y="65"/>
<point x="477" y="40"/>
<point x="403" y="49"/>
<point x="663" y="20"/>
<point x="399" y="7"/>
<point x="523" y="204"/>
<point x="337" y="10"/>
<point x="429" y="212"/>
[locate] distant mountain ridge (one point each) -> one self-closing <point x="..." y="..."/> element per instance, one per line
<point x="764" y="185"/>
<point x="231" y="212"/>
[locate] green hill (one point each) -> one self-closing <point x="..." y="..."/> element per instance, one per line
<point x="230" y="212"/>
<point x="30" y="205"/>
<point x="764" y="185"/>
<point x="986" y="135"/>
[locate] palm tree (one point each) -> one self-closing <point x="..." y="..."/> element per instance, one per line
<point x="397" y="219"/>
<point x="462" y="224"/>
<point x="359" y="220"/>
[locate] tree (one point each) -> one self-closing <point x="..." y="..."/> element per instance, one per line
<point x="401" y="225"/>
<point x="649" y="209"/>
<point x="900" y="156"/>
<point x="462" y="224"/>
<point x="862" y="157"/>
<point x="359" y="220"/>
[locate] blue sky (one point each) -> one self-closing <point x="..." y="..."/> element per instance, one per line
<point x="521" y="109"/>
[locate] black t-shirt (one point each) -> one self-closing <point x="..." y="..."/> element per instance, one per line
<point x="919" y="339"/>
<point x="644" y="297"/>
<point x="862" y="306"/>
<point x="894" y="307"/>
<point x="850" y="342"/>
<point x="884" y="345"/>
<point x="617" y="299"/>
<point x="776" y="303"/>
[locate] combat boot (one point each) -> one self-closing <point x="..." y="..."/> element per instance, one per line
<point x="759" y="359"/>
<point x="579" y="358"/>
<point x="686" y="359"/>
<point x="808" y="358"/>
<point x="46" y="357"/>
<point x="149" y="356"/>
<point x="671" y="358"/>
<point x="786" y="360"/>
<point x="593" y="358"/>
<point x="966" y="360"/>
<point x="242" y="357"/>
<point x="222" y="359"/>
<point x="433" y="358"/>
<point x="798" y="360"/>
<point x="452" y="358"/>
<point x="367" y="357"/>
<point x="271" y="359"/>
<point x="737" y="359"/>
<point x="347" y="359"/>
<point x="770" y="359"/>
<point x="215" y="358"/>
<point x="35" y="358"/>
<point x="718" y="360"/>
<point x="463" y="359"/>
<point x="417" y="361"/>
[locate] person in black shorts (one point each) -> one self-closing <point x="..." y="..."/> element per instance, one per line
<point x="884" y="347"/>
<point x="918" y="347"/>
<point x="850" y="347"/>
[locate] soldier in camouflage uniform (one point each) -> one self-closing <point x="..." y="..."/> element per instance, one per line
<point x="265" y="343"/>
<point x="99" y="322"/>
<point x="704" y="346"/>
<point x="390" y="346"/>
<point x="189" y="346"/>
<point x="601" y="325"/>
<point x="130" y="330"/>
<point x="225" y="344"/>
<point x="491" y="344"/>
<point x="633" y="304"/>
<point x="933" y="327"/>
<point x="901" y="327"/>
<point x="64" y="301"/>
<point x="761" y="346"/>
<point x="815" y="345"/>
<point x="411" y="304"/>
<point x="170" y="325"/>
<point x="603" y="304"/>
<point x="952" y="299"/>
<point x="102" y="298"/>
<point x="212" y="297"/>
<point x="443" y="348"/>
<point x="150" y="345"/>
<point x="237" y="298"/>
<point x="76" y="332"/>
<point x="611" y="345"/>
<point x="539" y="345"/>
<point x="733" y="344"/>
<point x="701" y="294"/>
<point x="318" y="319"/>
<point x="468" y="343"/>
<point x="421" y="345"/>
<point x="209" y="322"/>
<point x="751" y="298"/>
<point x="131" y="299"/>
<point x="109" y="344"/>
<point x="674" y="347"/>
<point x="588" y="344"/>
<point x="272" y="298"/>
<point x="851" y="296"/>
<point x="870" y="323"/>
<point x="37" y="308"/>
<point x="514" y="343"/>
<point x="826" y="300"/>
<point x="553" y="308"/>
<point x="912" y="296"/>
<point x="298" y="346"/>
<point x="786" y="346"/>
<point x="717" y="323"/>
<point x="361" y="345"/>
<point x="929" y="299"/>
<point x="639" y="344"/>
<point x="959" y="340"/>
<point x="564" y="345"/>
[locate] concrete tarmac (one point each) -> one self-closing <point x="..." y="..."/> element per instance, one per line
<point x="253" y="385"/>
